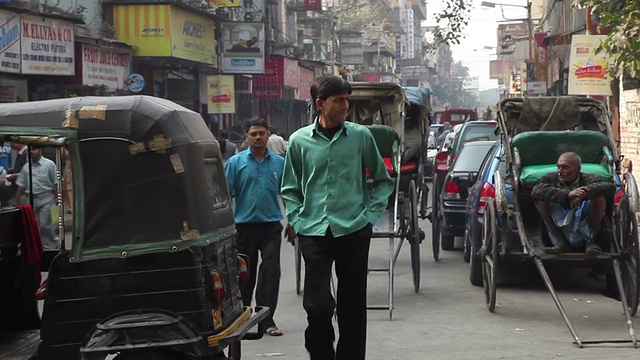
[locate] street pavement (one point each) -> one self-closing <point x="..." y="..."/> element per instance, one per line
<point x="448" y="319"/>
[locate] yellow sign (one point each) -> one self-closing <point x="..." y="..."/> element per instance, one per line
<point x="163" y="30"/>
<point x="221" y="94"/>
<point x="146" y="27"/>
<point x="589" y="70"/>
<point x="192" y="37"/>
<point x="225" y="3"/>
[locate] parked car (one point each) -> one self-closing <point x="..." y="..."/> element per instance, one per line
<point x="431" y="150"/>
<point x="472" y="131"/>
<point x="441" y="159"/>
<point x="452" y="202"/>
<point x="482" y="191"/>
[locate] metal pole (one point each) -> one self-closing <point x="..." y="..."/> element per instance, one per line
<point x="60" y="203"/>
<point x="30" y="177"/>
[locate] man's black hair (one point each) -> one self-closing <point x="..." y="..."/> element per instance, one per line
<point x="257" y="122"/>
<point x="224" y="134"/>
<point x="327" y="85"/>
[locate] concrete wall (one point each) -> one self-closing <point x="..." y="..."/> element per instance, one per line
<point x="630" y="125"/>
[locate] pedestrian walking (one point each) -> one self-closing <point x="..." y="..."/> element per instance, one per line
<point x="227" y="148"/>
<point x="44" y="180"/>
<point x="254" y="176"/>
<point x="332" y="210"/>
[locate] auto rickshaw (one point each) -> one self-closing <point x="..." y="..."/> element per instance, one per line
<point x="150" y="270"/>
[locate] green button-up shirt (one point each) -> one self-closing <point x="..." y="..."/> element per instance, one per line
<point x="324" y="183"/>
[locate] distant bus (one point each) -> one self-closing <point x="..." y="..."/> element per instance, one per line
<point x="455" y="116"/>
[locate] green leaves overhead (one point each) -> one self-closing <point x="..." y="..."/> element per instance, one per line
<point x="452" y="22"/>
<point x="623" y="41"/>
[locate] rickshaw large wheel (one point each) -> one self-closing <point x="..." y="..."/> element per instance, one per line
<point x="435" y="219"/>
<point x="631" y="189"/>
<point x="298" y="265"/>
<point x="629" y="254"/>
<point x="413" y="235"/>
<point x="490" y="255"/>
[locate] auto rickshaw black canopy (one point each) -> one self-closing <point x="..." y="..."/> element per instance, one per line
<point x="147" y="173"/>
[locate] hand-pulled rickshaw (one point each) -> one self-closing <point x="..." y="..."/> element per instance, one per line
<point x="151" y="271"/>
<point x="382" y="108"/>
<point x="535" y="132"/>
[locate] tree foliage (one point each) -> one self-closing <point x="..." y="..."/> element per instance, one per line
<point x="452" y="22"/>
<point x="356" y="16"/>
<point x="623" y="41"/>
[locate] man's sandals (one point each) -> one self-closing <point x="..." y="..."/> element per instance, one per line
<point x="273" y="331"/>
<point x="591" y="248"/>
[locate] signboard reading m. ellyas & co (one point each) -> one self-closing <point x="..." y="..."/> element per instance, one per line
<point x="47" y="46"/>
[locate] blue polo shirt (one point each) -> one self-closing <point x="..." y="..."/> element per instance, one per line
<point x="256" y="186"/>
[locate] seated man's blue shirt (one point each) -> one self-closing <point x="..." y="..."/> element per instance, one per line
<point x="255" y="185"/>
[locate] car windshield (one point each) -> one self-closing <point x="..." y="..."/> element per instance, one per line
<point x="471" y="157"/>
<point x="479" y="133"/>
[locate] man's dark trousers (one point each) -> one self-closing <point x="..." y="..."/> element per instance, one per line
<point x="351" y="255"/>
<point x="263" y="238"/>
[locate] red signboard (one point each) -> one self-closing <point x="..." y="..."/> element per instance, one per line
<point x="306" y="78"/>
<point x="371" y="77"/>
<point x="278" y="72"/>
<point x="313" y="4"/>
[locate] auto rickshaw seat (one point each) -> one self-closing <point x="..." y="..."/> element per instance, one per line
<point x="538" y="153"/>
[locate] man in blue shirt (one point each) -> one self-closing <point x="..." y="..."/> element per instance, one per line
<point x="254" y="176"/>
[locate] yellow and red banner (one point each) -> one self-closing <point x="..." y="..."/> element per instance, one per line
<point x="221" y="94"/>
<point x="164" y="31"/>
<point x="588" y="71"/>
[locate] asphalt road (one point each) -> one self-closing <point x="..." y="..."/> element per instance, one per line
<point x="448" y="319"/>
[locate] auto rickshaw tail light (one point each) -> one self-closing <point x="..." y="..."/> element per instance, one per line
<point x="243" y="271"/>
<point x="218" y="287"/>
<point x="487" y="193"/>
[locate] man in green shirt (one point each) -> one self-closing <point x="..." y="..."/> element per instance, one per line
<point x="329" y="205"/>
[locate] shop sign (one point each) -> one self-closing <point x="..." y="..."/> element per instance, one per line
<point x="306" y="78"/>
<point x="588" y="70"/>
<point x="243" y="48"/>
<point x="192" y="37"/>
<point x="252" y="10"/>
<point x="47" y="46"/>
<point x="103" y="66"/>
<point x="146" y="27"/>
<point x="135" y="82"/>
<point x="225" y="3"/>
<point x="313" y="4"/>
<point x="279" y="71"/>
<point x="221" y="94"/>
<point x="8" y="94"/>
<point x="9" y="42"/>
<point x="164" y="31"/>
<point x="537" y="88"/>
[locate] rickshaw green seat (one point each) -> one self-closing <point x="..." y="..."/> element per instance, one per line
<point x="531" y="175"/>
<point x="538" y="152"/>
<point x="387" y="140"/>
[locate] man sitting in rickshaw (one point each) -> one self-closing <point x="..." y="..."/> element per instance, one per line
<point x="572" y="205"/>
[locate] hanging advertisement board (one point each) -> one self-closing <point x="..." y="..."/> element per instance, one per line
<point x="588" y="70"/>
